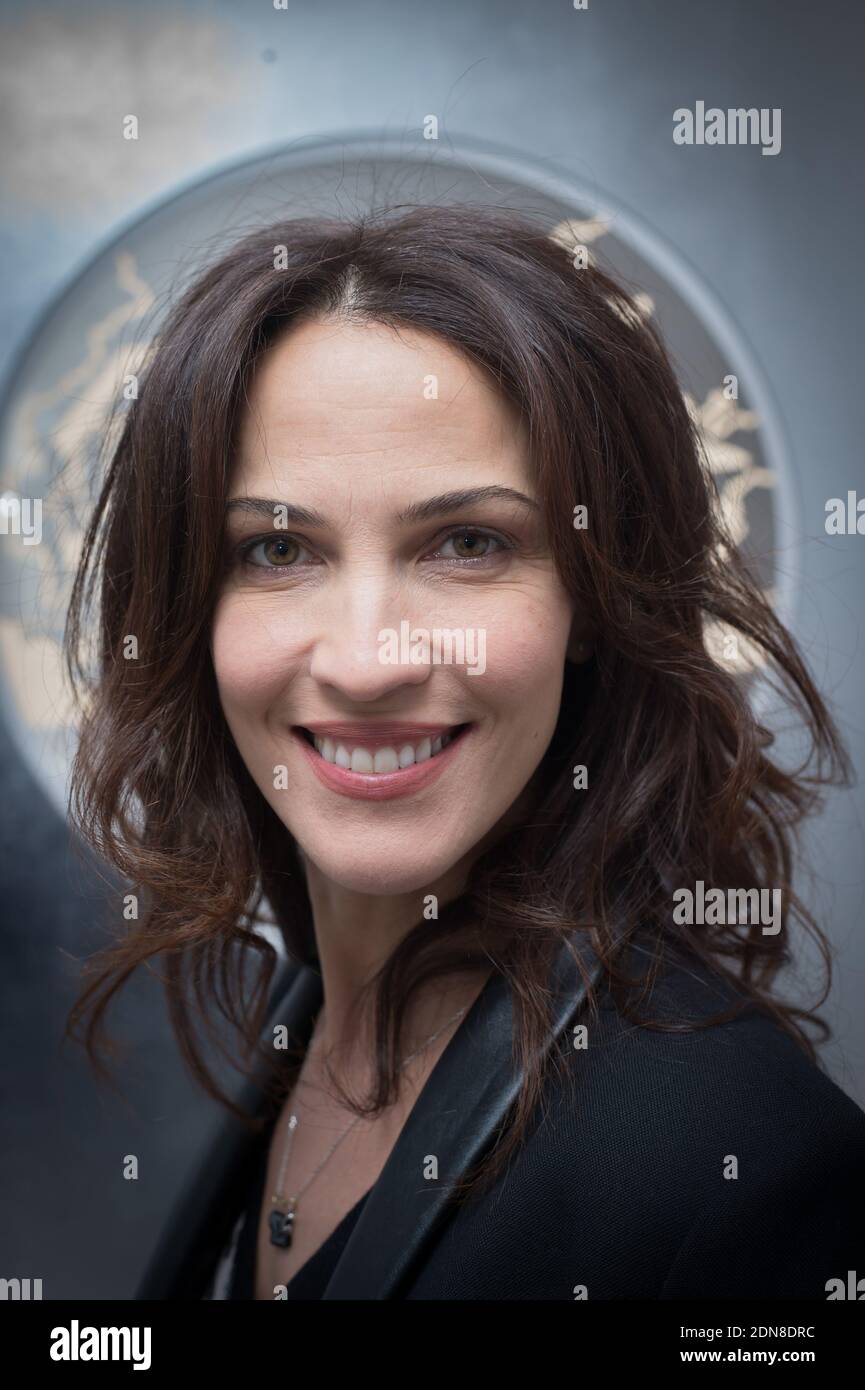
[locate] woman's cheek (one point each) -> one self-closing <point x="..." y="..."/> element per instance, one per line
<point x="525" y="650"/>
<point x="250" y="664"/>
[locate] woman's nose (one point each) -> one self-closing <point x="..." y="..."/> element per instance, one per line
<point x="358" y="650"/>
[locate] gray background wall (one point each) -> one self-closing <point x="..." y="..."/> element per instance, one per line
<point x="778" y="239"/>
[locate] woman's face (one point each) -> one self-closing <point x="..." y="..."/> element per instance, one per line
<point x="404" y="595"/>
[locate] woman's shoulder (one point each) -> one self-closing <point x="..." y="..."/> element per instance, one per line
<point x="746" y="1073"/>
<point x="718" y="1162"/>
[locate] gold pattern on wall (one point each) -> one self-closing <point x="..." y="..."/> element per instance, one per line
<point x="717" y="419"/>
<point x="55" y="437"/>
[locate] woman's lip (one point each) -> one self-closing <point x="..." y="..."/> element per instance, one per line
<point x="381" y="786"/>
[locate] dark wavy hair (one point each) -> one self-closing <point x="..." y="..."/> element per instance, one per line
<point x="680" y="786"/>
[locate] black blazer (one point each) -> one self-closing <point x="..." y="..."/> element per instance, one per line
<point x="619" y="1188"/>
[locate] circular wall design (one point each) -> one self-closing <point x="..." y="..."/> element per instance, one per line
<point x="53" y="435"/>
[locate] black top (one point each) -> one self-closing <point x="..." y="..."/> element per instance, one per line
<point x="714" y="1163"/>
<point x="312" y="1278"/>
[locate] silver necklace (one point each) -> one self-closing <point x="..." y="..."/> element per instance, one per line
<point x="284" y="1209"/>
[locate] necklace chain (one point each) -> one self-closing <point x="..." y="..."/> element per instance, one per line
<point x="282" y="1215"/>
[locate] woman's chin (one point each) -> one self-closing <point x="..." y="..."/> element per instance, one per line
<point x="378" y="875"/>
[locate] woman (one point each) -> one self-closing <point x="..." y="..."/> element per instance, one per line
<point x="411" y="529"/>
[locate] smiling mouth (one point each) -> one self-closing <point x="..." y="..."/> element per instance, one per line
<point x="373" y="756"/>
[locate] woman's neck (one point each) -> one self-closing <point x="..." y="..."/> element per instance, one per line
<point x="355" y="934"/>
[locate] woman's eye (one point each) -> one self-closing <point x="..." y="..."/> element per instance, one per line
<point x="469" y="544"/>
<point x="273" y="553"/>
<point x="281" y="552"/>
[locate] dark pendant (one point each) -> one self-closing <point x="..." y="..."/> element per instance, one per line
<point x="281" y="1224"/>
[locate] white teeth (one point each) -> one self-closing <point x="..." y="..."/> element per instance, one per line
<point x="384" y="759"/>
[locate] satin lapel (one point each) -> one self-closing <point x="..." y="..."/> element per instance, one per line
<point x="455" y="1118"/>
<point x="203" y="1215"/>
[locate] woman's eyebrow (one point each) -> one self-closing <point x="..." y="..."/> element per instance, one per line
<point x="445" y="503"/>
<point x="267" y="506"/>
<point x="465" y="497"/>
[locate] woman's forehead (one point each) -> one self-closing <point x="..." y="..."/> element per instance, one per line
<point x="333" y="402"/>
